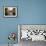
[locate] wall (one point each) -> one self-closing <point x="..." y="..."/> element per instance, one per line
<point x="29" y="12"/>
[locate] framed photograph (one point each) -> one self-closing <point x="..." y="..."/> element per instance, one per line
<point x="10" y="11"/>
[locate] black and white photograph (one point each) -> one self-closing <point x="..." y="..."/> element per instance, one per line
<point x="31" y="34"/>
